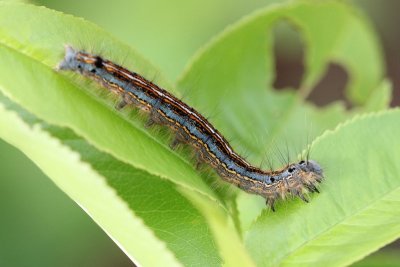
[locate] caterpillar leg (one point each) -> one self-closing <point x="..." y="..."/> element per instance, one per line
<point x="270" y="202"/>
<point x="175" y="143"/>
<point x="121" y="104"/>
<point x="178" y="139"/>
<point x="149" y="123"/>
<point x="199" y="161"/>
<point x="154" y="118"/>
<point x="125" y="100"/>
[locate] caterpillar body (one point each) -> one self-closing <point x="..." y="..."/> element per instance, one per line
<point x="191" y="128"/>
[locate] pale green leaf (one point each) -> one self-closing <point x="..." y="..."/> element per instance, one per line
<point x="358" y="210"/>
<point x="86" y="187"/>
<point x="156" y="202"/>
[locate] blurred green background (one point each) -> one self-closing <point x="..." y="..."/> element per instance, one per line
<point x="41" y="226"/>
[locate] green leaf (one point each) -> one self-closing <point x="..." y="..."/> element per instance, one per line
<point x="110" y="131"/>
<point x="122" y="198"/>
<point x="231" y="79"/>
<point x="223" y="229"/>
<point x="73" y="119"/>
<point x="230" y="76"/>
<point x="67" y="103"/>
<point x="358" y="210"/>
<point x="86" y="187"/>
<point x="380" y="97"/>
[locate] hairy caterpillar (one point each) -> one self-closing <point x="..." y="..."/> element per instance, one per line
<point x="191" y="128"/>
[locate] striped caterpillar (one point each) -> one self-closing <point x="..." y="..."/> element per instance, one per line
<point x="191" y="128"/>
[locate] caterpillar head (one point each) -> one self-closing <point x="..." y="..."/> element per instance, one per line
<point x="296" y="179"/>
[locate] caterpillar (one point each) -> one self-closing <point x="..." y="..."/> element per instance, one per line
<point x="191" y="128"/>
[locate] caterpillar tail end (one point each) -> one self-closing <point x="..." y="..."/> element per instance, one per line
<point x="69" y="58"/>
